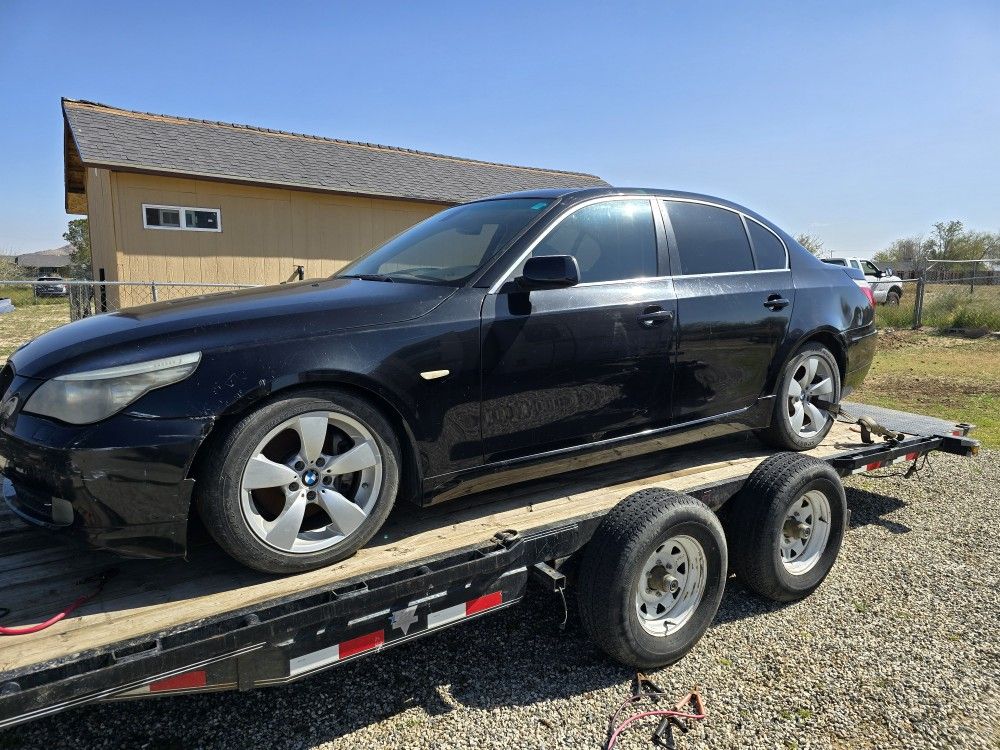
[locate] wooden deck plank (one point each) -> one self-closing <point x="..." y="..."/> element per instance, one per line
<point x="150" y="597"/>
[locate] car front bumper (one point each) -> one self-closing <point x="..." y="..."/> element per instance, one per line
<point x="121" y="485"/>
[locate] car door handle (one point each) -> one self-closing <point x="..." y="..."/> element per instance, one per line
<point x="653" y="316"/>
<point x="776" y="302"/>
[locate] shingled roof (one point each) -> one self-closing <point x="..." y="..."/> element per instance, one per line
<point x="98" y="135"/>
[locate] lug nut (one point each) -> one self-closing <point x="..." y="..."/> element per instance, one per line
<point x="328" y="480"/>
<point x="299" y="466"/>
<point x="320" y="462"/>
<point x="311" y="495"/>
<point x="294" y="486"/>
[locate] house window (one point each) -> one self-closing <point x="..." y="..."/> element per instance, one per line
<point x="182" y="217"/>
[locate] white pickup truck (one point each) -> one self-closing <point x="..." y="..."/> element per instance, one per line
<point x="887" y="287"/>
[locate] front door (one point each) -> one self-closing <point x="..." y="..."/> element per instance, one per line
<point x="568" y="367"/>
<point x="734" y="301"/>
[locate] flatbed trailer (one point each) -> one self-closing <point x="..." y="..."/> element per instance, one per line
<point x="207" y="624"/>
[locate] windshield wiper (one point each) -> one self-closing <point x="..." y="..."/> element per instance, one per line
<point x="367" y="276"/>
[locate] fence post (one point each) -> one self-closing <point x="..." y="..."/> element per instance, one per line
<point x="918" y="303"/>
<point x="152" y="286"/>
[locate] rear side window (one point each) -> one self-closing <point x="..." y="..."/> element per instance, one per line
<point x="835" y="261"/>
<point x="611" y="240"/>
<point x="709" y="239"/>
<point x="768" y="248"/>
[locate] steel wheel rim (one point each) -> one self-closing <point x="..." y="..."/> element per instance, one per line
<point x="811" y="380"/>
<point x="805" y="532"/>
<point x="315" y="496"/>
<point x="671" y="585"/>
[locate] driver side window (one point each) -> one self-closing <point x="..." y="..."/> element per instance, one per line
<point x="611" y="240"/>
<point x="869" y="268"/>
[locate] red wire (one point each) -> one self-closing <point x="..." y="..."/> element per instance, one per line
<point x="29" y="629"/>
<point x="645" y="714"/>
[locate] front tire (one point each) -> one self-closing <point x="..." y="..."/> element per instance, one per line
<point x="797" y="423"/>
<point x="892" y="298"/>
<point x="652" y="577"/>
<point x="302" y="482"/>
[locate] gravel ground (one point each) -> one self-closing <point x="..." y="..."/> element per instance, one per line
<point x="898" y="648"/>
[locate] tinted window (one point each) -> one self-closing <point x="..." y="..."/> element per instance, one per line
<point x="835" y="261"/>
<point x="450" y="246"/>
<point x="768" y="248"/>
<point x="709" y="239"/>
<point x="611" y="240"/>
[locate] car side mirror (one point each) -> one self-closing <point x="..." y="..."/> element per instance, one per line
<point x="549" y="272"/>
<point x="885" y="272"/>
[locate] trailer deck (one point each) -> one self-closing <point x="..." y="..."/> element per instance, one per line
<point x="160" y="619"/>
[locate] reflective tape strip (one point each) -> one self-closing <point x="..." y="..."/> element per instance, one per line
<point x="196" y="678"/>
<point x="336" y="652"/>
<point x="375" y="640"/>
<point x="880" y="464"/>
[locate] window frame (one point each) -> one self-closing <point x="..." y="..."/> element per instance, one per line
<point x="662" y="262"/>
<point x="675" y="259"/>
<point x="183" y="218"/>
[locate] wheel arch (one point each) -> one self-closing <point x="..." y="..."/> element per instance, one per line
<point x="392" y="410"/>
<point x="830" y="338"/>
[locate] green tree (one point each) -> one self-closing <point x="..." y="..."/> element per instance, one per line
<point x="947" y="238"/>
<point x="78" y="235"/>
<point x="912" y="251"/>
<point x="810" y="243"/>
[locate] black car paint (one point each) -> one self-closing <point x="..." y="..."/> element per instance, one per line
<point x="532" y="389"/>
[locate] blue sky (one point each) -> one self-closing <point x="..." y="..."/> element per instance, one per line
<point x="858" y="122"/>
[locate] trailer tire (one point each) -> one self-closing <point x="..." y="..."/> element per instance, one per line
<point x="785" y="526"/>
<point x="631" y="579"/>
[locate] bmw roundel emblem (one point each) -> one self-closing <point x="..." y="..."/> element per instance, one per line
<point x="310" y="478"/>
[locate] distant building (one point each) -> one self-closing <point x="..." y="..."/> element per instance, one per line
<point x="47" y="261"/>
<point x="177" y="199"/>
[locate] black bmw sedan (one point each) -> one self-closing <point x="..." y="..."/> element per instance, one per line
<point x="495" y="336"/>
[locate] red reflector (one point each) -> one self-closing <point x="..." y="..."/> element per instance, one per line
<point x="912" y="456"/>
<point x="195" y="679"/>
<point x="362" y="643"/>
<point x="869" y="294"/>
<point x="484" y="602"/>
<point x="873" y="465"/>
<point x="956" y="433"/>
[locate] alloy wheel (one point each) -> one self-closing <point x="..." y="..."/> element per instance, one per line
<point x="311" y="482"/>
<point x="812" y="380"/>
<point x="671" y="585"/>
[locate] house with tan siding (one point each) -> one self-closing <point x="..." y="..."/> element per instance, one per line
<point x="174" y="199"/>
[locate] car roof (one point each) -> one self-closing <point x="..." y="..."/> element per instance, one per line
<point x="575" y="195"/>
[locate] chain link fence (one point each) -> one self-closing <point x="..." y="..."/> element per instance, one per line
<point x="85" y="298"/>
<point x="946" y="301"/>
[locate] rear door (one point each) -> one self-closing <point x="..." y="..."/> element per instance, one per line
<point x="569" y="367"/>
<point x="734" y="299"/>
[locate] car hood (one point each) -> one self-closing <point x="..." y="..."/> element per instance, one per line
<point x="229" y="319"/>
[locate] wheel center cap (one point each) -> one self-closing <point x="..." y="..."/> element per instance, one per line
<point x="310" y="478"/>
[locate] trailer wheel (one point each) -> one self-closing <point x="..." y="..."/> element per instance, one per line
<point x="786" y="525"/>
<point x="652" y="577"/>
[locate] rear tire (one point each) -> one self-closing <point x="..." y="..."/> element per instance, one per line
<point x="786" y="525"/>
<point x="797" y="424"/>
<point x="302" y="482"/>
<point x="892" y="298"/>
<point x="652" y="578"/>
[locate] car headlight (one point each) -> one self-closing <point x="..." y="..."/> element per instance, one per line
<point x="85" y="397"/>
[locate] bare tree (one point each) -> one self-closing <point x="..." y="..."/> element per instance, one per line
<point x="811" y="243"/>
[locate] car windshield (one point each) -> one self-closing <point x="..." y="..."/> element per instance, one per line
<point x="451" y="246"/>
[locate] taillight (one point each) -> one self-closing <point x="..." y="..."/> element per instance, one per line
<point x="869" y="294"/>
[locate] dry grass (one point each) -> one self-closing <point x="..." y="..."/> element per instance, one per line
<point x="944" y="376"/>
<point x="25" y="323"/>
